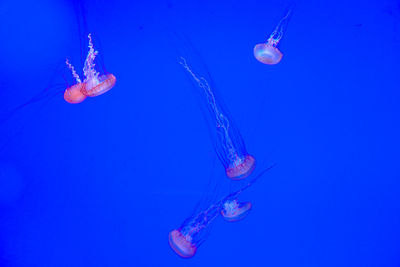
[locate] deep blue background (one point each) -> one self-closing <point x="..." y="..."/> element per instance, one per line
<point x="103" y="182"/>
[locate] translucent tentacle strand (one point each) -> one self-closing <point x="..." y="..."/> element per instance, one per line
<point x="277" y="34"/>
<point x="88" y="70"/>
<point x="76" y="76"/>
<point x="222" y="122"/>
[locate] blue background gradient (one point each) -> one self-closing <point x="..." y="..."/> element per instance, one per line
<point x="101" y="183"/>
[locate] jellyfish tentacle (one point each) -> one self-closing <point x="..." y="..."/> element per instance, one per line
<point x="235" y="194"/>
<point x="279" y="30"/>
<point x="74" y="74"/>
<point x="88" y="70"/>
<point x="234" y="153"/>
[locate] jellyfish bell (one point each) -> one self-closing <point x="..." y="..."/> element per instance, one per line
<point x="233" y="211"/>
<point x="74" y="95"/>
<point x="181" y="245"/>
<point x="267" y="54"/>
<point x="99" y="86"/>
<point x="241" y="168"/>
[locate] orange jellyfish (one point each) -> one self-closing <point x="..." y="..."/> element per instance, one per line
<point x="73" y="94"/>
<point x="233" y="210"/>
<point x="94" y="84"/>
<point x="186" y="239"/>
<point x="229" y="145"/>
<point x="268" y="53"/>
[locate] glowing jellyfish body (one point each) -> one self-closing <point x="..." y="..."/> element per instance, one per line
<point x="233" y="210"/>
<point x="73" y="94"/>
<point x="99" y="85"/>
<point x="268" y="53"/>
<point x="191" y="234"/>
<point x="229" y="145"/>
<point x="94" y="84"/>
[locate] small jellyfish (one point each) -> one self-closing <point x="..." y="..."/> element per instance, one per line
<point x="229" y="145"/>
<point x="268" y="53"/>
<point x="73" y="94"/>
<point x="233" y="210"/>
<point x="94" y="84"/>
<point x="192" y="233"/>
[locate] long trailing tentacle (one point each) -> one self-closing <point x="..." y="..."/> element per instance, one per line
<point x="277" y="34"/>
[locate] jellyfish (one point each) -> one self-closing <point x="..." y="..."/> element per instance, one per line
<point x="190" y="235"/>
<point x="229" y="145"/>
<point x="268" y="53"/>
<point x="73" y="94"/>
<point x="233" y="210"/>
<point x="185" y="240"/>
<point x="94" y="84"/>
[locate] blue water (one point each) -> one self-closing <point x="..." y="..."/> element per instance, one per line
<point x="102" y="183"/>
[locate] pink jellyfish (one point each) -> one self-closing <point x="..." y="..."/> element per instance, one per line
<point x="229" y="145"/>
<point x="268" y="53"/>
<point x="233" y="210"/>
<point x="192" y="233"/>
<point x="94" y="84"/>
<point x="73" y="94"/>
